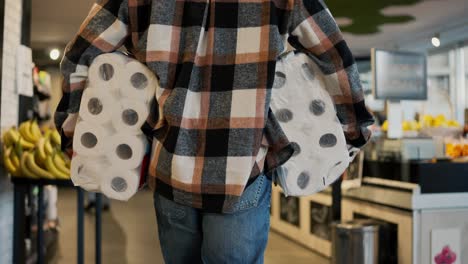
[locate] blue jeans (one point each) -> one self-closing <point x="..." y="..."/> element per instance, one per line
<point x="189" y="235"/>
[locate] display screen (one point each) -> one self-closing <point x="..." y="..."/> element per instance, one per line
<point x="399" y="75"/>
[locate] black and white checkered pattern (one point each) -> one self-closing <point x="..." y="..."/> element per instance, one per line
<point x="215" y="59"/>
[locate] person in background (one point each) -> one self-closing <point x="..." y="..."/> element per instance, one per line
<point x="41" y="108"/>
<point x="215" y="140"/>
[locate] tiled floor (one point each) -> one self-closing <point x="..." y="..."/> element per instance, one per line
<point x="130" y="235"/>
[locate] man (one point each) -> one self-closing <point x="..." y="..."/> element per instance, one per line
<point x="215" y="141"/>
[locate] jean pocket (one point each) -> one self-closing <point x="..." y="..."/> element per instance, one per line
<point x="169" y="209"/>
<point x="254" y="195"/>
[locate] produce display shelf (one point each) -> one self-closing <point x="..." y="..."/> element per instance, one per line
<point x="22" y="186"/>
<point x="29" y="181"/>
<point x="443" y="176"/>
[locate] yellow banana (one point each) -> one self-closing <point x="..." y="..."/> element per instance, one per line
<point x="14" y="171"/>
<point x="65" y="158"/>
<point x="48" y="146"/>
<point x="60" y="164"/>
<point x="36" y="169"/>
<point x="35" y="130"/>
<point x="41" y="149"/>
<point x="24" y="168"/>
<point x="25" y="144"/>
<point x="14" y="134"/>
<point x="45" y="128"/>
<point x="48" y="133"/>
<point x="56" y="139"/>
<point x="6" y="139"/>
<point x="14" y="159"/>
<point x="58" y="160"/>
<point x="38" y="160"/>
<point x="11" y="136"/>
<point x="25" y="131"/>
<point x="54" y="170"/>
<point x="8" y="164"/>
<point x="10" y="167"/>
<point x="18" y="149"/>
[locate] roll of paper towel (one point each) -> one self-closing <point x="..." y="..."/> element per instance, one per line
<point x="120" y="184"/>
<point x="89" y="139"/>
<point x="106" y="71"/>
<point x="140" y="82"/>
<point x="87" y="172"/>
<point x="97" y="107"/>
<point x="130" y="116"/>
<point x="125" y="151"/>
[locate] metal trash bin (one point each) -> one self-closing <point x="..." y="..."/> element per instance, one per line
<point x="355" y="242"/>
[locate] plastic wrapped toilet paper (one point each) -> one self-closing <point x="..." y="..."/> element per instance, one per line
<point x="129" y="115"/>
<point x="140" y="83"/>
<point x="106" y="71"/>
<point x="125" y="151"/>
<point x="306" y="113"/>
<point x="108" y="142"/>
<point x="89" y="139"/>
<point x="87" y="172"/>
<point x="120" y="184"/>
<point x="97" y="107"/>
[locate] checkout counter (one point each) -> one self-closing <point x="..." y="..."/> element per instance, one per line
<point x="422" y="202"/>
<point x="424" y="199"/>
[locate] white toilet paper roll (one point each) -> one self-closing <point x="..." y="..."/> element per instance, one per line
<point x="89" y="139"/>
<point x="130" y="116"/>
<point x="140" y="82"/>
<point x="125" y="151"/>
<point x="120" y="184"/>
<point x="106" y="71"/>
<point x="97" y="107"/>
<point x="87" y="173"/>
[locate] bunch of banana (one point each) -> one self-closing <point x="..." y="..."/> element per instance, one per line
<point x="11" y="161"/>
<point x="13" y="136"/>
<point x="29" y="153"/>
<point x="439" y="121"/>
<point x="30" y="131"/>
<point x="410" y="125"/>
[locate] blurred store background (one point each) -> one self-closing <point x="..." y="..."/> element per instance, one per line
<point x="410" y="183"/>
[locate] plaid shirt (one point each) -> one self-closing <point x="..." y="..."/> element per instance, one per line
<point x="211" y="123"/>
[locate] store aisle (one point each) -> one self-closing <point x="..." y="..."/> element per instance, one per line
<point x="130" y="235"/>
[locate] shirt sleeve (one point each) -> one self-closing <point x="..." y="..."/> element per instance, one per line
<point x="313" y="30"/>
<point x="104" y="30"/>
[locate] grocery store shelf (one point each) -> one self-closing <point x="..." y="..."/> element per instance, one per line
<point x="29" y="181"/>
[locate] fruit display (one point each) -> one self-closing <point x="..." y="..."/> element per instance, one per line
<point x="427" y="122"/>
<point x="34" y="153"/>
<point x="456" y="148"/>
<point x="438" y="121"/>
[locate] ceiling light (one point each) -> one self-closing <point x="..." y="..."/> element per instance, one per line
<point x="54" y="54"/>
<point x="436" y="40"/>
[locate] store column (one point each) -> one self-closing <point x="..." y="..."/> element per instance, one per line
<point x="10" y="32"/>
<point x="25" y="110"/>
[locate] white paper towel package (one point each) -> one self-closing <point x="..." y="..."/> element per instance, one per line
<point x="108" y="143"/>
<point x="307" y="115"/>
